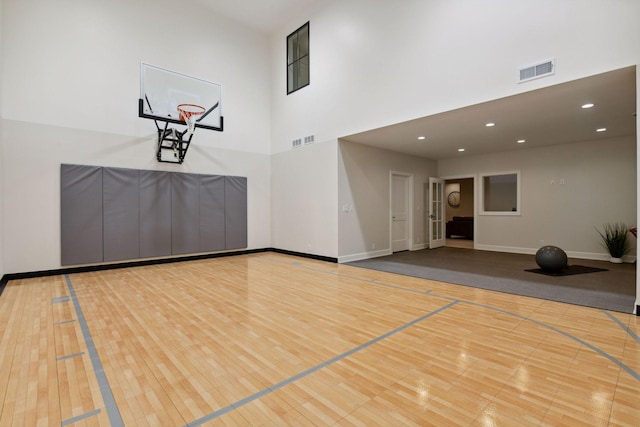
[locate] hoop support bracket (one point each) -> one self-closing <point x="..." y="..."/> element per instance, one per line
<point x="173" y="140"/>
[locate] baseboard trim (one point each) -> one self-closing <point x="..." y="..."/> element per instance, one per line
<point x="3" y="283"/>
<point x="156" y="261"/>
<point x="571" y="254"/>
<point x="419" y="246"/>
<point x="364" y="255"/>
<point x="304" y="255"/>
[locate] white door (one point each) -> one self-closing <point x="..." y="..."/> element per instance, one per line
<point x="436" y="213"/>
<point x="399" y="213"/>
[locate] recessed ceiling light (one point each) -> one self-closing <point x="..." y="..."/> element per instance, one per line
<point x="601" y="130"/>
<point x="589" y="105"/>
<point x="421" y="137"/>
<point x="461" y="149"/>
<point x="490" y="124"/>
<point x="521" y="141"/>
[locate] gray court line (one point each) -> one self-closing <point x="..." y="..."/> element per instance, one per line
<point x="386" y="285"/>
<point x="359" y="279"/>
<point x="107" y="395"/>
<point x="592" y="347"/>
<point x="633" y="373"/>
<point x="64" y="322"/>
<point x="59" y="299"/>
<point x="623" y="326"/>
<point x="69" y="356"/>
<point x="316" y="368"/>
<point x="80" y="417"/>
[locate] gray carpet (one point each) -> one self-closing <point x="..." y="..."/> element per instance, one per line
<point x="613" y="289"/>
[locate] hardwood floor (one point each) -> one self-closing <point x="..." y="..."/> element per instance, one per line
<point x="459" y="243"/>
<point x="269" y="339"/>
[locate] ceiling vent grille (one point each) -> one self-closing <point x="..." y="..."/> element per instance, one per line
<point x="536" y="71"/>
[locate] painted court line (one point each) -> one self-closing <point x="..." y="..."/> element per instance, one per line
<point x="310" y="371"/>
<point x="59" y="299"/>
<point x="623" y="366"/>
<point x="80" y="417"/>
<point x="359" y="279"/>
<point x="592" y="347"/>
<point x="107" y="395"/>
<point x="69" y="356"/>
<point x="64" y="322"/>
<point x="631" y="372"/>
<point x="623" y="326"/>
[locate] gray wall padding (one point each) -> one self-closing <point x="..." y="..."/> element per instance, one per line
<point x="212" y="215"/>
<point x="81" y="214"/>
<point x="155" y="214"/>
<point x="185" y="213"/>
<point x="121" y="213"/>
<point x="110" y="214"/>
<point x="235" y="202"/>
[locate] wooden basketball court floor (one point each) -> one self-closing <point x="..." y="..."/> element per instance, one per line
<point x="268" y="339"/>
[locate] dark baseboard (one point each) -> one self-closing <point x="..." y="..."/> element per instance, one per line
<point x="102" y="267"/>
<point x="3" y="283"/>
<point x="303" y="255"/>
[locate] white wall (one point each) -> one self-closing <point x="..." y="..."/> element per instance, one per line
<point x="364" y="202"/>
<point x="373" y="63"/>
<point x="76" y="63"/>
<point x="599" y="187"/>
<point x="1" y="155"/>
<point x="377" y="62"/>
<point x="70" y="89"/>
<point x="637" y="311"/>
<point x="304" y="184"/>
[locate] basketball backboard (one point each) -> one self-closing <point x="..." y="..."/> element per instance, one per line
<point x="161" y="91"/>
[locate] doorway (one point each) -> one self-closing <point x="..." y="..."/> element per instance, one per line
<point x="459" y="196"/>
<point x="401" y="204"/>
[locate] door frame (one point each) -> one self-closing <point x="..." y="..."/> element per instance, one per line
<point x="410" y="197"/>
<point x="431" y="216"/>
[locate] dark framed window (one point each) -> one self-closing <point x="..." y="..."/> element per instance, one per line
<point x="298" y="59"/>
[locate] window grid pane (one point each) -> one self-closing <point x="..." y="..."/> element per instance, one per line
<point x="298" y="59"/>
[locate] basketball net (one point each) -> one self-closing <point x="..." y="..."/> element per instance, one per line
<point x="189" y="113"/>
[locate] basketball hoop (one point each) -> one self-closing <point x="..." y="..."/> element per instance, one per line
<point x="189" y="113"/>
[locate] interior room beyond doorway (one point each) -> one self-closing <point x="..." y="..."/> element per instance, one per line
<point x="459" y="212"/>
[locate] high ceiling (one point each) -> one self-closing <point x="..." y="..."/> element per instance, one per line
<point x="552" y="115"/>
<point x="264" y="16"/>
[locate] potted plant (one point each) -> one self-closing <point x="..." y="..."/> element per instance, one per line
<point x="614" y="238"/>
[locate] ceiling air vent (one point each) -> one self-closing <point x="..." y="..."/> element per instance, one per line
<point x="536" y="71"/>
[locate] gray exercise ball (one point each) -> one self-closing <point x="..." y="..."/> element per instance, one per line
<point x="551" y="258"/>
